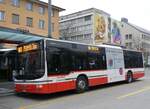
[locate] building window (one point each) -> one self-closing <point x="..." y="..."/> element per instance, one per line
<point x="88" y="27"/>
<point x="73" y="38"/>
<point x="15" y="2"/>
<point x="130" y="36"/>
<point x="79" y="37"/>
<point x="126" y="44"/>
<point x="126" y="36"/>
<point x="142" y="36"/>
<point x="87" y="18"/>
<point x="41" y="24"/>
<point x="29" y="21"/>
<point x="2" y="15"/>
<point x="15" y="18"/>
<point x="41" y="10"/>
<point x="130" y="44"/>
<point x="52" y="13"/>
<point x="80" y="28"/>
<point x="87" y="36"/>
<point x="53" y="27"/>
<point x="29" y="6"/>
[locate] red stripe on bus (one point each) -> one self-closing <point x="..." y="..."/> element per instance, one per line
<point x="31" y="88"/>
<point x="56" y="87"/>
<point x="46" y="88"/>
<point x="137" y="75"/>
<point x="98" y="81"/>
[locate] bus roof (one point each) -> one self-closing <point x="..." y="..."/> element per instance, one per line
<point x="102" y="45"/>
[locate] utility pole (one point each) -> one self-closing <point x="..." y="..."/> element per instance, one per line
<point x="49" y="19"/>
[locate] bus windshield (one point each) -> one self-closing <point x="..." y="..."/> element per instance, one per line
<point x="30" y="65"/>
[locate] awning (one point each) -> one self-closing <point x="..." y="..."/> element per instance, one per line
<point x="17" y="37"/>
<point x="4" y="50"/>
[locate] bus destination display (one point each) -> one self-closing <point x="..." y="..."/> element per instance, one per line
<point x="26" y="48"/>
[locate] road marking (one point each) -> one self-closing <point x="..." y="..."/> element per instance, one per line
<point x="134" y="93"/>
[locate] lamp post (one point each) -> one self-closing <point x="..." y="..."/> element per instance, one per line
<point x="49" y="19"/>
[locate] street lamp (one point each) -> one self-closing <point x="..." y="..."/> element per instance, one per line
<point x="49" y="19"/>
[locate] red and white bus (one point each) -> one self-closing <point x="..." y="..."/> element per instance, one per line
<point x="49" y="66"/>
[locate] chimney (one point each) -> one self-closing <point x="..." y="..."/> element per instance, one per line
<point x="125" y="20"/>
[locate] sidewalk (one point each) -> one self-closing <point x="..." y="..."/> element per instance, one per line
<point x="6" y="88"/>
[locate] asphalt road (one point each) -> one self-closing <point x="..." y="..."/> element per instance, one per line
<point x="113" y="96"/>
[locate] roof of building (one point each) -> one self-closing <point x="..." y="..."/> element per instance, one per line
<point x="101" y="11"/>
<point x="46" y="4"/>
<point x="139" y="28"/>
<point x="83" y="12"/>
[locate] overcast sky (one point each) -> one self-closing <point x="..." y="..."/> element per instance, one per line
<point x="137" y="11"/>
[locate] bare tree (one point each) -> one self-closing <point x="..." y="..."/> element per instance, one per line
<point x="66" y="32"/>
<point x="137" y="43"/>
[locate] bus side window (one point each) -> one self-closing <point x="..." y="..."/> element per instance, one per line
<point x="58" y="61"/>
<point x="52" y="60"/>
<point x="96" y="61"/>
<point x="76" y="62"/>
<point x="133" y="59"/>
<point x="53" y="66"/>
<point x="92" y="63"/>
<point x="65" y="61"/>
<point x="79" y="61"/>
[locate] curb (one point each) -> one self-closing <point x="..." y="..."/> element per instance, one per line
<point x="4" y="91"/>
<point x="6" y="94"/>
<point x="2" y="94"/>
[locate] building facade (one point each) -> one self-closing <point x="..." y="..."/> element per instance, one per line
<point x="90" y="26"/>
<point x="29" y="16"/>
<point x="136" y="37"/>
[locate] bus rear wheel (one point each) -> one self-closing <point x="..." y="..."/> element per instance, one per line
<point x="129" y="77"/>
<point x="81" y="84"/>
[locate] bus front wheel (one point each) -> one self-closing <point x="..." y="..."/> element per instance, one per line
<point x="81" y="84"/>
